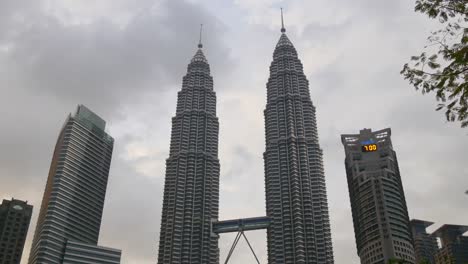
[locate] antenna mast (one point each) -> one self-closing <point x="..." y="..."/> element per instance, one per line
<point x="200" y="45"/>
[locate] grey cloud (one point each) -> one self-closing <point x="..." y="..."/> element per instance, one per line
<point x="48" y="66"/>
<point x="129" y="74"/>
<point x="103" y="64"/>
<point x="132" y="214"/>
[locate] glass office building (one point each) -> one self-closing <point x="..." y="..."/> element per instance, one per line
<point x="73" y="199"/>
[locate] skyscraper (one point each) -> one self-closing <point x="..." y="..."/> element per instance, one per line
<point x="73" y="199"/>
<point x="191" y="189"/>
<point x="454" y="248"/>
<point x="15" y="216"/>
<point x="296" y="198"/>
<point x="380" y="215"/>
<point x="425" y="245"/>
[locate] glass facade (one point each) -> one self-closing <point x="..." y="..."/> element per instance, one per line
<point x="73" y="199"/>
<point x="85" y="253"/>
<point x="425" y="245"/>
<point x="454" y="248"/>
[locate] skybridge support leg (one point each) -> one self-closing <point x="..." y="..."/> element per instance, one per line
<point x="234" y="244"/>
<point x="251" y="249"/>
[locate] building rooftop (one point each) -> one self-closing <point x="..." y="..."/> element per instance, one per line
<point x="421" y="222"/>
<point x="84" y="113"/>
<point x="450" y="233"/>
<point x="456" y="230"/>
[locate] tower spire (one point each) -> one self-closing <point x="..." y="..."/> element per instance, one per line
<point x="200" y="45"/>
<point x="282" y="22"/>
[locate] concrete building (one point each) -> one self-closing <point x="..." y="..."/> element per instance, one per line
<point x="82" y="253"/>
<point x="425" y="245"/>
<point x="73" y="199"/>
<point x="191" y="188"/>
<point x="15" y="216"/>
<point x="296" y="198"/>
<point x="454" y="248"/>
<point x="380" y="215"/>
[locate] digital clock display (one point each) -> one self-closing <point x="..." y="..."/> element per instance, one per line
<point x="369" y="148"/>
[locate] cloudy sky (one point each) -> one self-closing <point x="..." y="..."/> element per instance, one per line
<point x="125" y="60"/>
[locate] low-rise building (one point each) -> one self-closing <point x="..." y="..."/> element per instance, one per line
<point x="82" y="253"/>
<point x="454" y="248"/>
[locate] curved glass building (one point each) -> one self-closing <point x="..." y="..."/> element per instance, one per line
<point x="73" y="199"/>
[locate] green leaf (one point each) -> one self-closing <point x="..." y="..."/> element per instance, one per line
<point x="444" y="70"/>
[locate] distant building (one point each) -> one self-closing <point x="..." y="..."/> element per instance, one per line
<point x="73" y="201"/>
<point x="15" y="216"/>
<point x="378" y="204"/>
<point x="85" y="253"/>
<point x="425" y="245"/>
<point x="454" y="248"/>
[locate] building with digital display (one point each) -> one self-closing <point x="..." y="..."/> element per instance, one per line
<point x="296" y="198"/>
<point x="191" y="188"/>
<point x="15" y="216"/>
<point x="380" y="216"/>
<point x="73" y="200"/>
<point x="425" y="245"/>
<point x="454" y="248"/>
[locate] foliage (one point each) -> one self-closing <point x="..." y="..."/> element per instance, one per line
<point x="443" y="67"/>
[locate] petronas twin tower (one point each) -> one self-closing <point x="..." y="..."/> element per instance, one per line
<point x="296" y="199"/>
<point x="191" y="189"/>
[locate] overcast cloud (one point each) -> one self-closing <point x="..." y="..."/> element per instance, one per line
<point x="125" y="60"/>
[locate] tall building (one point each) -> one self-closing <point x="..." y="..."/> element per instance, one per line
<point x="454" y="248"/>
<point x="425" y="245"/>
<point x="191" y="189"/>
<point x="15" y="216"/>
<point x="380" y="215"/>
<point x="296" y="198"/>
<point x="73" y="199"/>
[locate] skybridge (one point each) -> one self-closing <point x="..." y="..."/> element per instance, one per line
<point x="240" y="226"/>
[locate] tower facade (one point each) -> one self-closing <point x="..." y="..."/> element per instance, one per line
<point x="380" y="216"/>
<point x="296" y="199"/>
<point x="73" y="199"/>
<point x="425" y="245"/>
<point x="191" y="188"/>
<point x="15" y="216"/>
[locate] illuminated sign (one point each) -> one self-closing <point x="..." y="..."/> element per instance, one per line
<point x="368" y="142"/>
<point x="369" y="148"/>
